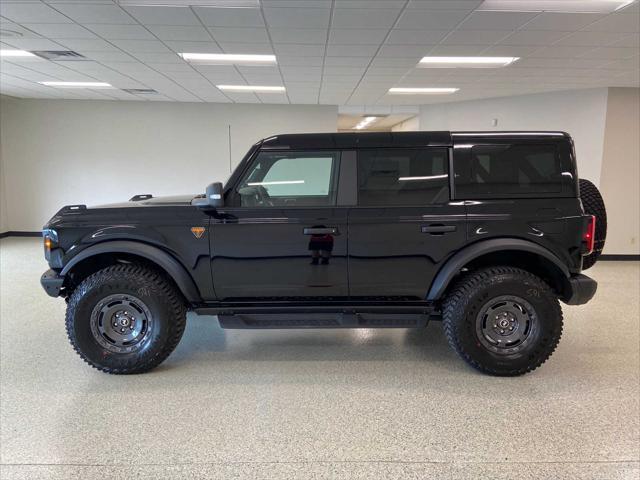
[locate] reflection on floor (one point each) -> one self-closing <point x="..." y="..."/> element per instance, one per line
<point x="317" y="403"/>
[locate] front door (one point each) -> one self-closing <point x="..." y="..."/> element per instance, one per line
<point x="283" y="235"/>
<point x="404" y="226"/>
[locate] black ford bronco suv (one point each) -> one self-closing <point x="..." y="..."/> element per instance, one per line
<point x="485" y="231"/>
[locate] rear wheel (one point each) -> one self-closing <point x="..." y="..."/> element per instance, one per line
<point x="593" y="204"/>
<point x="125" y="319"/>
<point x="502" y="320"/>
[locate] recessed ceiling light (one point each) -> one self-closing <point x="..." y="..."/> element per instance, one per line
<point x="251" y="88"/>
<point x="15" y="53"/>
<point x="567" y="6"/>
<point x="77" y="84"/>
<point x="365" y="122"/>
<point x="420" y="90"/>
<point x="466" y="62"/>
<point x="228" y="59"/>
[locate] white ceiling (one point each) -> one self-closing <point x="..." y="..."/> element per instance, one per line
<point x="345" y="52"/>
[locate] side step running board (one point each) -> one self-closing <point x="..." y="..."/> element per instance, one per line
<point x="323" y="320"/>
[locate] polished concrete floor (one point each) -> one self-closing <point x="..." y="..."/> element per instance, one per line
<point x="361" y="404"/>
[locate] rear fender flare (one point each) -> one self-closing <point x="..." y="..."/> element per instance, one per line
<point x="154" y="254"/>
<point x="453" y="266"/>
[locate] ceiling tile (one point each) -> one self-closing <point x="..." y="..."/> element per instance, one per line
<point x="562" y="21"/>
<point x="360" y="36"/>
<point x="94" y="45"/>
<point x="351" y="50"/>
<point x="180" y="33"/>
<point x="431" y="19"/>
<point x="240" y="35"/>
<point x="593" y="39"/>
<point x="415" y="37"/>
<point x="163" y="15"/>
<point x="298" y="17"/>
<point x="133" y="46"/>
<point x="28" y="12"/>
<point x="533" y="37"/>
<point x="559" y="52"/>
<point x="617" y="22"/>
<point x="496" y="20"/>
<point x="611" y="52"/>
<point x="94" y="13"/>
<point x="347" y="61"/>
<point x="364" y="18"/>
<point x="300" y="61"/>
<point x="159" y="57"/>
<point x="193" y="47"/>
<point x="249" y="48"/>
<point x="404" y="50"/>
<point x="120" y="32"/>
<point x="304" y="36"/>
<point x="241" y="97"/>
<point x="456" y="50"/>
<point x="474" y="37"/>
<point x="59" y="30"/>
<point x="299" y="50"/>
<point x="297" y="3"/>
<point x="629" y="40"/>
<point x="230" y="17"/>
<point x="33" y="43"/>
<point x="448" y="4"/>
<point x="108" y="56"/>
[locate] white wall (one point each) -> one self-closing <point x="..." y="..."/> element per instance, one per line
<point x="619" y="183"/>
<point x="4" y="227"/>
<point x="581" y="113"/>
<point x="59" y="152"/>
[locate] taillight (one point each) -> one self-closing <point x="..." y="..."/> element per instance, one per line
<point x="589" y="235"/>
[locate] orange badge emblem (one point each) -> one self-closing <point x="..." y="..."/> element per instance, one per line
<point x="198" y="232"/>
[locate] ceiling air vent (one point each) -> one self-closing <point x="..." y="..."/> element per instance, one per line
<point x="140" y="91"/>
<point x="60" y="55"/>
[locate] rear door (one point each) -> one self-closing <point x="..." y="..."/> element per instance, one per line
<point x="404" y="225"/>
<point x="282" y="235"/>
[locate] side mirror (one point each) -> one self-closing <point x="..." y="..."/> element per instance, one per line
<point x="214" y="197"/>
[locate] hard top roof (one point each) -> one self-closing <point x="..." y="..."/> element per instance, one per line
<point x="294" y="141"/>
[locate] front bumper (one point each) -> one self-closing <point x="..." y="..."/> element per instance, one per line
<point x="582" y="289"/>
<point x="52" y="283"/>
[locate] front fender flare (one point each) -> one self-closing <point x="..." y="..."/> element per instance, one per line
<point x="453" y="266"/>
<point x="154" y="254"/>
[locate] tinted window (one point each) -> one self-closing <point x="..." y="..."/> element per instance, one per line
<point x="513" y="169"/>
<point x="402" y="176"/>
<point x="289" y="179"/>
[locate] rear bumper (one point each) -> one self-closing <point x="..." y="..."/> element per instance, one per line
<point x="582" y="289"/>
<point x="52" y="283"/>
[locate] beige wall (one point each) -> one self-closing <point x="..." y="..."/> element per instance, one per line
<point x="409" y="125"/>
<point x="60" y="152"/>
<point x="620" y="177"/>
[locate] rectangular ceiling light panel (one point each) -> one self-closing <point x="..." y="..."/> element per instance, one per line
<point x="228" y="59"/>
<point x="466" y="62"/>
<point x="77" y="84"/>
<point x="422" y="91"/>
<point x="251" y="88"/>
<point x="15" y="53"/>
<point x="566" y="6"/>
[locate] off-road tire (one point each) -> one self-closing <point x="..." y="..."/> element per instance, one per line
<point x="462" y="312"/>
<point x="163" y="304"/>
<point x="593" y="204"/>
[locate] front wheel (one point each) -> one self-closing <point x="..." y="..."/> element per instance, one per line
<point x="125" y="319"/>
<point x="502" y="320"/>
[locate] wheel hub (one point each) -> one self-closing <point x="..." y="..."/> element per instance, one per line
<point x="121" y="323"/>
<point x="505" y="324"/>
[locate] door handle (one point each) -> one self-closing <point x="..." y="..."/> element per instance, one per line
<point x="438" y="229"/>
<point x="321" y="231"/>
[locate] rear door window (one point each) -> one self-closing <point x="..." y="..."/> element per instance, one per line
<point x="403" y="176"/>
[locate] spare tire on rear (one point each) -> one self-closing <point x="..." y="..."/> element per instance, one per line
<point x="593" y="204"/>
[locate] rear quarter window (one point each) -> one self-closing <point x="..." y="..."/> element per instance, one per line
<point x="510" y="170"/>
